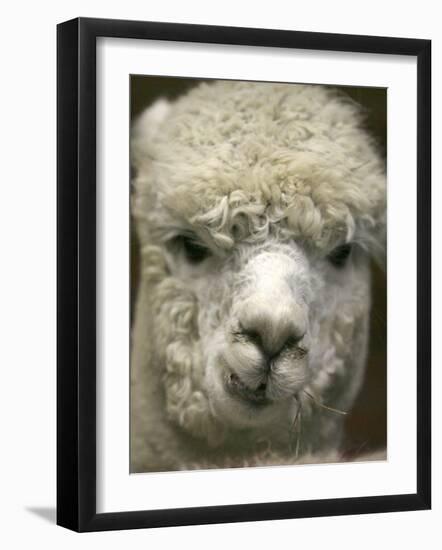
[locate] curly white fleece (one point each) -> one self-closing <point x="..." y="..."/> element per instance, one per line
<point x="247" y="166"/>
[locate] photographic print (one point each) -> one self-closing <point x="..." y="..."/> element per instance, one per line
<point x="222" y="269"/>
<point x="258" y="274"/>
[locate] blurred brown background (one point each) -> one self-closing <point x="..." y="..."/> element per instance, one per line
<point x="367" y="423"/>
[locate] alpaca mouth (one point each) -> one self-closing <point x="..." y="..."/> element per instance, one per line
<point x="238" y="389"/>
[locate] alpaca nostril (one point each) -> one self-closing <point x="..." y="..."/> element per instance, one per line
<point x="250" y="335"/>
<point x="272" y="329"/>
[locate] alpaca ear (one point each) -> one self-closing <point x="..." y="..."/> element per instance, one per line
<point x="145" y="129"/>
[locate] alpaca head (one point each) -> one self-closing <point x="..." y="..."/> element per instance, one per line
<point x="258" y="207"/>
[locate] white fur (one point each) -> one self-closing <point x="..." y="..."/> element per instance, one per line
<point x="270" y="178"/>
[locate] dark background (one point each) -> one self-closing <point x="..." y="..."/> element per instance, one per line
<point x="366" y="427"/>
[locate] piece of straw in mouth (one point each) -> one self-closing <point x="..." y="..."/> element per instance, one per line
<point x="322" y="405"/>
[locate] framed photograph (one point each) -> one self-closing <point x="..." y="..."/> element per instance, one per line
<point x="243" y="274"/>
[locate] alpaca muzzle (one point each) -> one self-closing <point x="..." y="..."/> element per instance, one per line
<point x="266" y="359"/>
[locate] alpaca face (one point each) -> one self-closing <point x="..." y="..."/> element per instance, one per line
<point x="269" y="325"/>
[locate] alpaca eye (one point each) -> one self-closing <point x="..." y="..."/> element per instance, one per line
<point x="339" y="256"/>
<point x="194" y="252"/>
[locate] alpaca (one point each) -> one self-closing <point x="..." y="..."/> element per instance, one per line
<point x="258" y="207"/>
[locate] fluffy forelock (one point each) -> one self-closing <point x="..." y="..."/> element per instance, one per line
<point x="233" y="158"/>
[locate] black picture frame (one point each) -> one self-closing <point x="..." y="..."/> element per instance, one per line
<point x="76" y="273"/>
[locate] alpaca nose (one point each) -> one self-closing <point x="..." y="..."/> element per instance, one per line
<point x="272" y="326"/>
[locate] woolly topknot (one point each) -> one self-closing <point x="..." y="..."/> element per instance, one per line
<point x="234" y="157"/>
